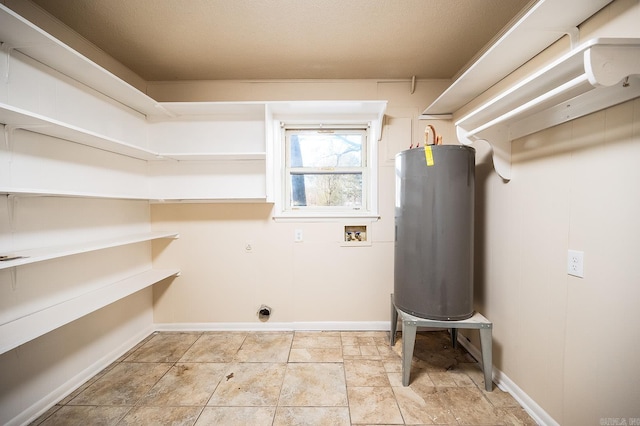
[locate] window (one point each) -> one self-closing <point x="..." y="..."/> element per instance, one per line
<point x="327" y="171"/>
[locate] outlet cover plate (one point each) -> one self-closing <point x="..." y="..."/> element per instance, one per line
<point x="575" y="263"/>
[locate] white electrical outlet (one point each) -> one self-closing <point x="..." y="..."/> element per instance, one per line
<point x="575" y="263"/>
<point x="297" y="236"/>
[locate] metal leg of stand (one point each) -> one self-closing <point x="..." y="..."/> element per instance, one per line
<point x="411" y="323"/>
<point x="454" y="337"/>
<point x="394" y="323"/>
<point x="409" y="329"/>
<point x="486" y="342"/>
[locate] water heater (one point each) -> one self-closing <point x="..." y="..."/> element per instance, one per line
<point x="433" y="267"/>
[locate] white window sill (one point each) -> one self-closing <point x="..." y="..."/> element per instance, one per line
<point x="324" y="216"/>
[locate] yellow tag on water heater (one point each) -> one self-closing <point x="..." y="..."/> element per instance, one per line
<point x="428" y="155"/>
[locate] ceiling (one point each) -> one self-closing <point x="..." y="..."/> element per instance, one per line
<point x="166" y="40"/>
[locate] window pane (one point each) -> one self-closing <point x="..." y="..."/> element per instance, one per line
<point x="340" y="189"/>
<point x="318" y="149"/>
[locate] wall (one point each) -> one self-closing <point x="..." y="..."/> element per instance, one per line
<point x="90" y="195"/>
<point x="317" y="283"/>
<point x="41" y="371"/>
<point x="571" y="344"/>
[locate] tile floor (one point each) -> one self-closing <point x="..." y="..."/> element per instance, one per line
<point x="287" y="378"/>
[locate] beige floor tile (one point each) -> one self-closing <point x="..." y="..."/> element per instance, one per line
<point x="125" y="384"/>
<point x="324" y="333"/>
<point x="312" y="416"/>
<point x="316" y="339"/>
<point x="96" y="377"/>
<point x="473" y="370"/>
<point x="237" y="416"/>
<point x="364" y="338"/>
<point x="249" y="384"/>
<point x="421" y="378"/>
<point x="215" y="347"/>
<point x="365" y="345"/>
<point x="315" y="355"/>
<point x="515" y="416"/>
<point x="437" y="409"/>
<point x="86" y="415"/>
<point x="440" y="378"/>
<point x="373" y="405"/>
<point x="286" y="378"/>
<point x="469" y="406"/>
<point x="137" y="346"/>
<point x="351" y="351"/>
<point x="499" y="398"/>
<point x="314" y="384"/>
<point x="414" y="409"/>
<point x="365" y="373"/>
<point x="163" y="347"/>
<point x="395" y="379"/>
<point x="433" y="361"/>
<point x="387" y="352"/>
<point x="370" y="352"/>
<point x="265" y="347"/>
<point x="349" y="338"/>
<point x="186" y="384"/>
<point x="174" y="416"/>
<point x="394" y="366"/>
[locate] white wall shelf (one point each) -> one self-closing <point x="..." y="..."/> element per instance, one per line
<point x="215" y="156"/>
<point x="330" y="112"/>
<point x="39" y="192"/>
<point x="218" y="110"/>
<point x="195" y="200"/>
<point x="595" y="75"/>
<point x="218" y="151"/>
<point x="26" y="257"/>
<point x="29" y="327"/>
<point x="542" y="24"/>
<point x="19" y="34"/>
<point x="21" y="119"/>
<point x="17" y="118"/>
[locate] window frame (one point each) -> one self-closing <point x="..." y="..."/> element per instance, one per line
<point x="369" y="170"/>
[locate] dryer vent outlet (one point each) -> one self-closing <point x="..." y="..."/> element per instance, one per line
<point x="264" y="312"/>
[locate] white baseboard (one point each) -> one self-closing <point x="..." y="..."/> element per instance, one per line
<point x="44" y="404"/>
<point x="277" y="326"/>
<point x="538" y="414"/>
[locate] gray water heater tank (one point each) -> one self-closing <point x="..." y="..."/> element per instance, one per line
<point x="433" y="267"/>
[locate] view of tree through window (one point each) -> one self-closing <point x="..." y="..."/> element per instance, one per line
<point x="326" y="167"/>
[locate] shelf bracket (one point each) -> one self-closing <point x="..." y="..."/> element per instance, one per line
<point x="11" y="212"/>
<point x="574" y="36"/>
<point x="8" y="136"/>
<point x="598" y="75"/>
<point x="7" y="49"/>
<point x="11" y="208"/>
<point x="608" y="65"/>
<point x="14" y="278"/>
<point x="498" y="139"/>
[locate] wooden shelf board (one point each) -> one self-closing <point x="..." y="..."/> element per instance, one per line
<point x="237" y="110"/>
<point x="228" y="156"/>
<point x="48" y="253"/>
<point x="529" y="35"/>
<point x="39" y="192"/>
<point x="36" y="324"/>
<point x="248" y="200"/>
<point x="22" y="119"/>
<point x="20" y="34"/>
